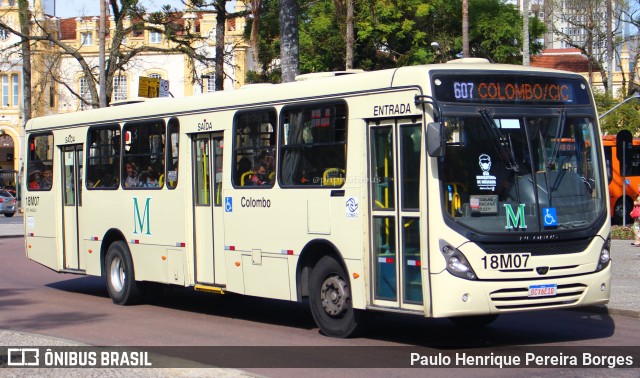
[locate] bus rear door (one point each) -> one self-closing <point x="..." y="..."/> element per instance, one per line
<point x="207" y="209"/>
<point x="72" y="206"/>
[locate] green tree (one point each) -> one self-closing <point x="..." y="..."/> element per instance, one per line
<point x="398" y="33"/>
<point x="625" y="117"/>
<point x="496" y="32"/>
<point x="268" y="44"/>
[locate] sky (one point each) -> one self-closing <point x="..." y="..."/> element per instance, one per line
<point x="75" y="8"/>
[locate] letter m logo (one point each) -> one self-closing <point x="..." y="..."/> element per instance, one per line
<point x="515" y="220"/>
<point x="140" y="221"/>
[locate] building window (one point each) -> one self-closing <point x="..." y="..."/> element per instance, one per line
<point x="85" y="95"/>
<point x="86" y="38"/>
<point x="155" y="37"/>
<point x="16" y="90"/>
<point x="119" y="88"/>
<point x="5" y="90"/>
<point x="209" y="83"/>
<point x="155" y="76"/>
<point x="4" y="34"/>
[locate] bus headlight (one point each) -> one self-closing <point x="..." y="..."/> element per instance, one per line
<point x="457" y="263"/>
<point x="605" y="256"/>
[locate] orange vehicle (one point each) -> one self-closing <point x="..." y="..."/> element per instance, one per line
<point x="632" y="175"/>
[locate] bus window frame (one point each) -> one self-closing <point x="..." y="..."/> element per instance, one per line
<point x="234" y="148"/>
<point x="124" y="158"/>
<point x="31" y="170"/>
<point x="281" y="144"/>
<point x="87" y="167"/>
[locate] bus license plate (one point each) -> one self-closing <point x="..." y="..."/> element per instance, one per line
<point x="543" y="290"/>
<point x="506" y="261"/>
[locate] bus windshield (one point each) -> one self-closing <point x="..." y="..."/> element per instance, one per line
<point x="521" y="173"/>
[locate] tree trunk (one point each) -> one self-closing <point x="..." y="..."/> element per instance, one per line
<point x="525" y="33"/>
<point x="221" y="19"/>
<point x="465" y="29"/>
<point x="610" y="60"/>
<point x="23" y="10"/>
<point x="255" y="28"/>
<point x="350" y="37"/>
<point x="289" y="48"/>
<point x="101" y="62"/>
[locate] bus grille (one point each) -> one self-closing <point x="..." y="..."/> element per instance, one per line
<point x="518" y="298"/>
<point x="538" y="249"/>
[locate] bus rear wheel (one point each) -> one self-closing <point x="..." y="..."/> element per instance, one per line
<point x="330" y="299"/>
<point x="121" y="283"/>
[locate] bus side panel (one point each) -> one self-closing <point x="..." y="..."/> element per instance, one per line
<point x="43" y="250"/>
<point x="147" y="219"/>
<point x="92" y="258"/>
<point x="266" y="276"/>
<point x="41" y="227"/>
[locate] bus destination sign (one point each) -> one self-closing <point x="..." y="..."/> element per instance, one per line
<point x="510" y="89"/>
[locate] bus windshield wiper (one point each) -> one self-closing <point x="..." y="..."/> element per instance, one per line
<point x="558" y="140"/>
<point x="501" y="143"/>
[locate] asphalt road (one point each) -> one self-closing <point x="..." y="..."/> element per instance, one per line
<point x="37" y="300"/>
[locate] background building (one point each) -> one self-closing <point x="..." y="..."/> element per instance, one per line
<point x="57" y="78"/>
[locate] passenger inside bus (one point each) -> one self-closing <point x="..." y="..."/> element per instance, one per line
<point x="131" y="181"/>
<point x="261" y="175"/>
<point x="45" y="182"/>
<point x="34" y="179"/>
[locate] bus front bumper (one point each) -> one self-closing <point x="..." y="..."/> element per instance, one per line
<point x="459" y="297"/>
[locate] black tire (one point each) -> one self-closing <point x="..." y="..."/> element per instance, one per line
<point x="475" y="321"/>
<point x="121" y="283"/>
<point x="330" y="299"/>
<point x="617" y="211"/>
<point x="9" y="215"/>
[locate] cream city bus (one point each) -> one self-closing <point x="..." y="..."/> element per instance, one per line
<point x="441" y="191"/>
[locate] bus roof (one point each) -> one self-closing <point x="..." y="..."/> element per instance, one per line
<point x="268" y="95"/>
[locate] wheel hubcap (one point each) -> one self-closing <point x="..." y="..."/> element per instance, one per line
<point x="335" y="295"/>
<point x="117" y="274"/>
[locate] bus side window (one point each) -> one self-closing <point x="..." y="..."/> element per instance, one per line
<point x="314" y="145"/>
<point x="254" y="134"/>
<point x="143" y="155"/>
<point x="171" y="175"/>
<point x="103" y="159"/>
<point x="40" y="162"/>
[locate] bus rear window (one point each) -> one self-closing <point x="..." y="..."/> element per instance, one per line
<point x="40" y="162"/>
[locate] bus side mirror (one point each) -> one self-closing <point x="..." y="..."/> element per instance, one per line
<point x="435" y="139"/>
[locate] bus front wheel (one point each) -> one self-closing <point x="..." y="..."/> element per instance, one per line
<point x="330" y="299"/>
<point x="121" y="283"/>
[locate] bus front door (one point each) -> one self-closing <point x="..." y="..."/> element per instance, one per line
<point x="394" y="163"/>
<point x="72" y="206"/>
<point x="207" y="209"/>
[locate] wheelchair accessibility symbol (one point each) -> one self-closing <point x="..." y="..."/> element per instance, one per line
<point x="549" y="217"/>
<point x="228" y="204"/>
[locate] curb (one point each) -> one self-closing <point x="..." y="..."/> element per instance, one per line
<point x="605" y="310"/>
<point x="11" y="236"/>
